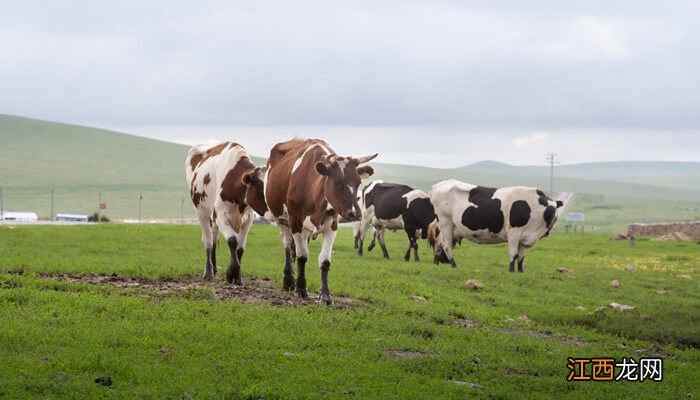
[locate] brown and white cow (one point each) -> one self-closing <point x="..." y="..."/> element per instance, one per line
<point x="225" y="187"/>
<point x="307" y="187"/>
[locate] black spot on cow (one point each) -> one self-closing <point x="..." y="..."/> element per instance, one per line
<point x="420" y="214"/>
<point x="519" y="214"/>
<point x="486" y="214"/>
<point x="543" y="199"/>
<point x="387" y="199"/>
<point x="549" y="213"/>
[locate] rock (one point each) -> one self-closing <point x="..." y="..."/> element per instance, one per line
<point x="662" y="292"/>
<point x="474" y="385"/>
<point x="615" y="283"/>
<point x="599" y="310"/>
<point x="164" y="351"/>
<point x="620" y="307"/>
<point x="687" y="277"/>
<point x="473" y="284"/>
<point x="580" y="308"/>
<point x="416" y="298"/>
<point x="631" y="268"/>
<point x="524" y="318"/>
<point x="104" y="380"/>
<point x="565" y="270"/>
<point x="287" y="354"/>
<point x="185" y="396"/>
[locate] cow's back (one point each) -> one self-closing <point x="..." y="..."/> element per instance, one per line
<point x="285" y="158"/>
<point x="215" y="172"/>
<point x="388" y="200"/>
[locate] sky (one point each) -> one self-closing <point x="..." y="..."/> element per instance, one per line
<point x="438" y="83"/>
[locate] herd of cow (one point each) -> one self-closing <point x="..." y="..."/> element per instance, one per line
<point x="305" y="188"/>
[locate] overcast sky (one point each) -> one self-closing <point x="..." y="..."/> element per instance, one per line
<point x="442" y="83"/>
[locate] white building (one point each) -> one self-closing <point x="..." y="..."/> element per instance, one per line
<point x="18" y="216"/>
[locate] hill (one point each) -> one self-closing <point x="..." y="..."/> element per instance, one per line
<point x="78" y="163"/>
<point x="679" y="175"/>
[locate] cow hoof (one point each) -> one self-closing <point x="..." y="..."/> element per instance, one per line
<point x="233" y="275"/>
<point x="208" y="276"/>
<point x="288" y="283"/>
<point x="303" y="293"/>
<point x="453" y="263"/>
<point x="326" y="298"/>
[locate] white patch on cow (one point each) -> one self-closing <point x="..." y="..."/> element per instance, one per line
<point x="390" y="224"/>
<point x="299" y="160"/>
<point x="414" y="194"/>
<point x="328" y="239"/>
<point x="342" y="164"/>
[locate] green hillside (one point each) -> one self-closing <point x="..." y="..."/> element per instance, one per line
<point x="680" y="175"/>
<point x="78" y="163"/>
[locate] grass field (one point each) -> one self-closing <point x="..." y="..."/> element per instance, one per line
<point x="510" y="339"/>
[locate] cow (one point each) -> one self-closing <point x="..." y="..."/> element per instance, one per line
<point x="307" y="188"/>
<point x="225" y="188"/>
<point x="519" y="216"/>
<point x="394" y="206"/>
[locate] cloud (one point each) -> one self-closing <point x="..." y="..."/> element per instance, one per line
<point x="535" y="138"/>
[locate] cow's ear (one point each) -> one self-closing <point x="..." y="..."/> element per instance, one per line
<point x="559" y="203"/>
<point x="365" y="171"/>
<point x="248" y="178"/>
<point x="321" y="168"/>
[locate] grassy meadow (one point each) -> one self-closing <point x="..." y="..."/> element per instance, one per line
<point x="412" y="331"/>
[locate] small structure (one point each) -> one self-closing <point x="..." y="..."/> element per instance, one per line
<point x="72" y="217"/>
<point x="575" y="220"/>
<point x="18" y="216"/>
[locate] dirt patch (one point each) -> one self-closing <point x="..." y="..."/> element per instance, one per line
<point x="464" y="323"/>
<point x="396" y="353"/>
<point x="544" y="335"/>
<point x="256" y="290"/>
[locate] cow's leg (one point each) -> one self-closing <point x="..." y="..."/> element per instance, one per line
<point x="214" y="242"/>
<point x="415" y="250"/>
<point x="229" y="221"/>
<point x="362" y="226"/>
<point x="288" y="242"/>
<point x="521" y="258"/>
<point x="324" y="261"/>
<point x="246" y="224"/>
<point x="374" y="240"/>
<point x="301" y="241"/>
<point x="447" y="239"/>
<point x="412" y="243"/>
<point x="513" y="248"/>
<point x="208" y="243"/>
<point x="380" y="236"/>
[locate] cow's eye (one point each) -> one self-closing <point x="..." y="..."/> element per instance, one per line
<point x="337" y="184"/>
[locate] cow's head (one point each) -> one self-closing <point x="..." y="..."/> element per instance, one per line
<point x="255" y="191"/>
<point x="343" y="176"/>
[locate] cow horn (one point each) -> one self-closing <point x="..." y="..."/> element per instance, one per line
<point x="367" y="158"/>
<point x="330" y="157"/>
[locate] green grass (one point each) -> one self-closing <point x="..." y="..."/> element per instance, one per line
<point x="56" y="337"/>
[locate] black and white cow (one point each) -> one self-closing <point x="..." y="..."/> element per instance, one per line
<point x="519" y="216"/>
<point x="393" y="206"/>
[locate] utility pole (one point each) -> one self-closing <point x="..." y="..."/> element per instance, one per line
<point x="551" y="157"/>
<point x="51" y="216"/>
<point x="140" y="203"/>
